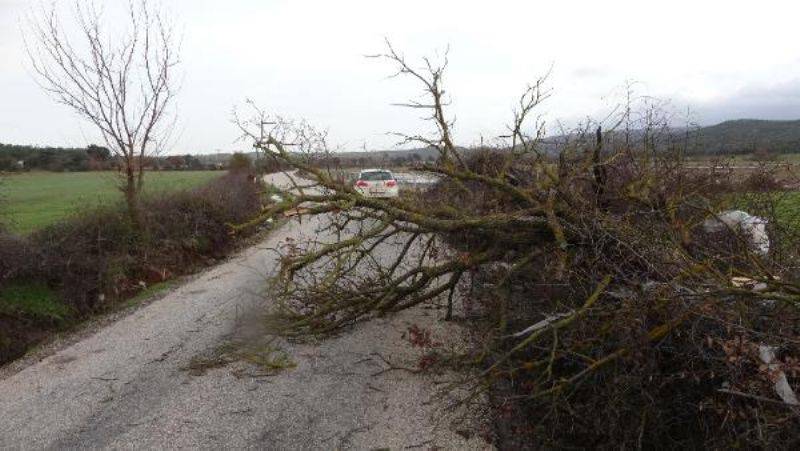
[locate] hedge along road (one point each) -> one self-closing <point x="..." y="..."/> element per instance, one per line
<point x="137" y="383"/>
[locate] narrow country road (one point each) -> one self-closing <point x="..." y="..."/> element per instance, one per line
<point x="129" y="385"/>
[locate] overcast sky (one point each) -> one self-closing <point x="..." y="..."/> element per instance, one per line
<point x="724" y="59"/>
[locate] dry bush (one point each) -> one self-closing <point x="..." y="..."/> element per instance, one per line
<point x="15" y="257"/>
<point x="668" y="354"/>
<point x="607" y="315"/>
<point x="206" y="213"/>
<point x="100" y="256"/>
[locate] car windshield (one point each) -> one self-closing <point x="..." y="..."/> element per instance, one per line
<point x="374" y="176"/>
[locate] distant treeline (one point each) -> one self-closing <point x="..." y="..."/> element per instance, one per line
<point x="19" y="158"/>
<point x="16" y="158"/>
<point x="756" y="137"/>
<point x="376" y="159"/>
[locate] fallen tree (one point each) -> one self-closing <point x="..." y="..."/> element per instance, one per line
<point x="606" y="314"/>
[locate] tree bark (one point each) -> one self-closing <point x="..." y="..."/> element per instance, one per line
<point x="131" y="192"/>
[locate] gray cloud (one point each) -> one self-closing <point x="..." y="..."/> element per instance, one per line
<point x="306" y="59"/>
<point x="781" y="101"/>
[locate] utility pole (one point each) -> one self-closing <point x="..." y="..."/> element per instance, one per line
<point x="262" y="139"/>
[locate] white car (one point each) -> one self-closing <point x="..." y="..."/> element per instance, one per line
<point x="376" y="183"/>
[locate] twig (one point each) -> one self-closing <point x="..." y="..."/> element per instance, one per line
<point x="756" y="397"/>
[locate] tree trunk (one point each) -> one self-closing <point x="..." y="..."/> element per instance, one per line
<point x="140" y="174"/>
<point x="132" y="199"/>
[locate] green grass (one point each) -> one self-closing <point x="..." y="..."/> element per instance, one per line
<point x="788" y="209"/>
<point x="33" y="300"/>
<point x="34" y="200"/>
<point x="150" y="291"/>
<point x="786" y="206"/>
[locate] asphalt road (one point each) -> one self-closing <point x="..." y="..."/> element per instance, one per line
<point x="130" y="384"/>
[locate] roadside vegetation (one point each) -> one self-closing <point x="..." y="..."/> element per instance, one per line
<point x="608" y="308"/>
<point x="93" y="260"/>
<point x="76" y="244"/>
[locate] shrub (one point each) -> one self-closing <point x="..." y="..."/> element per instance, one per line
<point x="99" y="255"/>
<point x="87" y="256"/>
<point x="240" y="162"/>
<point x="16" y="257"/>
<point x="97" y="258"/>
<point x="762" y="154"/>
<point x="669" y="354"/>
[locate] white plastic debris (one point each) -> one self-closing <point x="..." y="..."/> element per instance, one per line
<point x="782" y="387"/>
<point x="752" y="226"/>
<point x="276" y="198"/>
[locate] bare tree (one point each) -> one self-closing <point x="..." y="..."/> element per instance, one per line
<point x="121" y="81"/>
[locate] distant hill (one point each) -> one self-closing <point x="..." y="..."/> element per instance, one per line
<point x="748" y="135"/>
<point x="741" y="136"/>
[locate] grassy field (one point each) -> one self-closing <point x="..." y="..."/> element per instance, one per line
<point x="746" y="159"/>
<point x="30" y="201"/>
<point x="788" y="209"/>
